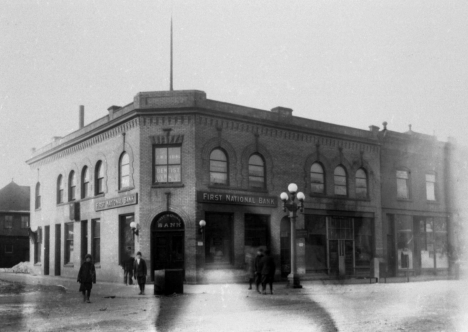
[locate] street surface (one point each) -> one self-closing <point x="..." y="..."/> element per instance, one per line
<point x="416" y="306"/>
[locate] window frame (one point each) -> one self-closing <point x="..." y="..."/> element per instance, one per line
<point x="72" y="186"/>
<point x="367" y="183"/>
<point x="38" y="246"/>
<point x="8" y="220"/>
<point x="227" y="167"/>
<point x="60" y="189"/>
<point x="121" y="176"/>
<point x="324" y="190"/>
<point x="434" y="188"/>
<point x="153" y="163"/>
<point x="264" y="172"/>
<point x="84" y="183"/>
<point x="37" y="202"/>
<point x="22" y="222"/>
<point x="99" y="181"/>
<point x="408" y="191"/>
<point x="68" y="243"/>
<point x="346" y="181"/>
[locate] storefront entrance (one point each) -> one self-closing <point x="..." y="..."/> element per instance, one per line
<point x="167" y="242"/>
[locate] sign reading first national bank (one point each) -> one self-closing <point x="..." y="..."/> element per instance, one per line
<point x="116" y="202"/>
<point x="224" y="198"/>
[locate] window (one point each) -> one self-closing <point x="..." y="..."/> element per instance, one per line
<point x="218" y="167"/>
<point x="362" y="241"/>
<point x="218" y="238"/>
<point x="405" y="241"/>
<point x="126" y="238"/>
<point x="71" y="186"/>
<point x="24" y="221"/>
<point x="340" y="181"/>
<point x="8" y="222"/>
<point x="402" y="184"/>
<point x="60" y="189"/>
<point x="8" y="248"/>
<point x="38" y="196"/>
<point x="96" y="244"/>
<point x="167" y="164"/>
<point x="99" y="176"/>
<point x="430" y="187"/>
<point x="317" y="179"/>
<point x="84" y="182"/>
<point x="256" y="232"/>
<point x="124" y="171"/>
<point x="68" y="242"/>
<point x="38" y="246"/>
<point x="256" y="172"/>
<point x="361" y="183"/>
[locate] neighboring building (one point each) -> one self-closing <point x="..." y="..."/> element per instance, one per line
<point x="170" y="159"/>
<point x="14" y="224"/>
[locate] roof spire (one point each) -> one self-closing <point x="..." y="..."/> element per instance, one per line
<point x="171" y="78"/>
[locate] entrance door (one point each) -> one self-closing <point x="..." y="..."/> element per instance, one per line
<point x="46" y="250"/>
<point x="341" y="246"/>
<point x="58" y="241"/>
<point x="167" y="243"/>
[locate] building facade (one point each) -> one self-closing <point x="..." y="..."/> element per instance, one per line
<point x="14" y="224"/>
<point x="143" y="177"/>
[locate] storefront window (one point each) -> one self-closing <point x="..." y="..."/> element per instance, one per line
<point x="126" y="238"/>
<point x="426" y="242"/>
<point x="316" y="243"/>
<point x="256" y="232"/>
<point x="363" y="241"/>
<point x="405" y="241"/>
<point x="68" y="242"/>
<point x="441" y="243"/>
<point x="218" y="238"/>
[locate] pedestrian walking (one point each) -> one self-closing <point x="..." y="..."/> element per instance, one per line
<point x="128" y="270"/>
<point x="250" y="261"/>
<point x="268" y="267"/>
<point x="258" y="269"/>
<point x="87" y="277"/>
<point x="139" y="270"/>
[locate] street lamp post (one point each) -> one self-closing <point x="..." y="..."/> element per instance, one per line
<point x="290" y="205"/>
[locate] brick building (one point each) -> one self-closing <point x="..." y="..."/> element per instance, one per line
<point x="14" y="224"/>
<point x="170" y="159"/>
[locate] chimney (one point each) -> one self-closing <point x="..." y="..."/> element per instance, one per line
<point x="81" y="116"/>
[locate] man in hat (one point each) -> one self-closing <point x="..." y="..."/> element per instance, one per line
<point x="140" y="271"/>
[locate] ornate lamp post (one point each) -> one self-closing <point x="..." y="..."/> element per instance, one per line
<point x="290" y="205"/>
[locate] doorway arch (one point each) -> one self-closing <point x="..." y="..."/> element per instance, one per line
<point x="167" y="242"/>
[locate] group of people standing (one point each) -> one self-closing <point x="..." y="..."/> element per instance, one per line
<point x="133" y="268"/>
<point x="262" y="271"/>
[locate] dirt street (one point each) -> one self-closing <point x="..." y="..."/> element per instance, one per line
<point x="418" y="306"/>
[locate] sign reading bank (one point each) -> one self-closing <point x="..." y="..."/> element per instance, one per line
<point x="224" y="198"/>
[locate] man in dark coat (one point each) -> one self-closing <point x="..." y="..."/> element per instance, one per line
<point x="268" y="267"/>
<point x="258" y="269"/>
<point x="128" y="266"/>
<point x="140" y="271"/>
<point x="87" y="277"/>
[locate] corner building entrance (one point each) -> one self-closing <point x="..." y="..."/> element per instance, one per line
<point x="167" y="242"/>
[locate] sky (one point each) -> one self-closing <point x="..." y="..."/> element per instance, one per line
<point x="353" y="63"/>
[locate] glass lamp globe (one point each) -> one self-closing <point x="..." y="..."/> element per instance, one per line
<point x="133" y="225"/>
<point x="34" y="228"/>
<point x="300" y="196"/>
<point x="284" y="196"/>
<point x="202" y="223"/>
<point x="292" y="188"/>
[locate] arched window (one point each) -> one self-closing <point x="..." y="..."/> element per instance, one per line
<point x="38" y="195"/>
<point x="124" y="171"/>
<point x="99" y="178"/>
<point x="71" y="186"/>
<point x="256" y="172"/>
<point x="84" y="182"/>
<point x="218" y="167"/>
<point x="340" y="181"/>
<point x="361" y="183"/>
<point x="60" y="189"/>
<point x="317" y="179"/>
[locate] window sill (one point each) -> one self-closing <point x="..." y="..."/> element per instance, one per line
<point x="404" y="200"/>
<point x="84" y="199"/>
<point x="219" y="186"/>
<point x="99" y="195"/>
<point x="69" y="265"/>
<point x="38" y="209"/>
<point x="125" y="189"/>
<point x="168" y="185"/>
<point x="433" y="202"/>
<point x="62" y="204"/>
